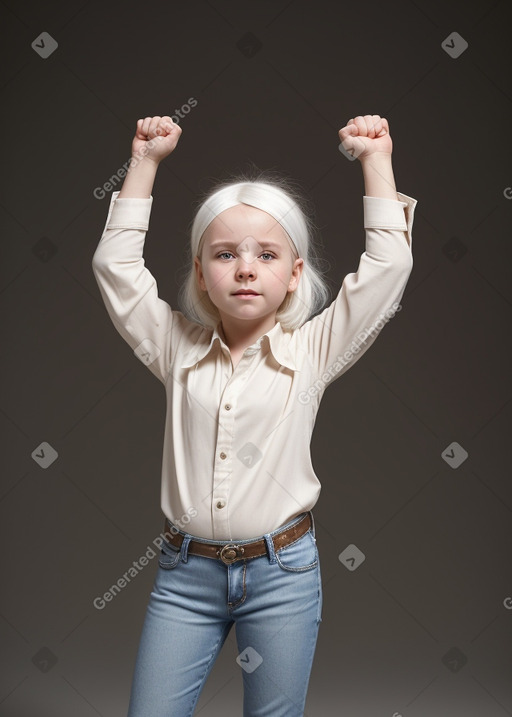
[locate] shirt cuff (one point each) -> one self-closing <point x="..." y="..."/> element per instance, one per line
<point x="129" y="212"/>
<point x="383" y="213"/>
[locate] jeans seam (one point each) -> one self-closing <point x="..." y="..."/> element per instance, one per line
<point x="320" y="596"/>
<point x="234" y="605"/>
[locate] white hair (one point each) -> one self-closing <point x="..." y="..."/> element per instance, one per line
<point x="282" y="200"/>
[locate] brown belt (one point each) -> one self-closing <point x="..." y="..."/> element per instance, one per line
<point x="229" y="552"/>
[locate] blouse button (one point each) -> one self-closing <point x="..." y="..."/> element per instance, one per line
<point x="223" y="455"/>
<point x="227" y="406"/>
<point x="220" y="504"/>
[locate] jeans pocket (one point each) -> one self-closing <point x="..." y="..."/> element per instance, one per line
<point x="169" y="556"/>
<point x="300" y="555"/>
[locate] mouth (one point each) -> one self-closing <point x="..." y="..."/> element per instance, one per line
<point x="245" y="292"/>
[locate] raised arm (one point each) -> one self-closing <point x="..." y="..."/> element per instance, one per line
<point x="128" y="288"/>
<point x="337" y="337"/>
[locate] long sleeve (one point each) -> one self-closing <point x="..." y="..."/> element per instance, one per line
<point x="128" y="288"/>
<point x="337" y="337"/>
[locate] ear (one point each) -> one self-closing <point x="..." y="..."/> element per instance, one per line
<point x="199" y="273"/>
<point x="298" y="266"/>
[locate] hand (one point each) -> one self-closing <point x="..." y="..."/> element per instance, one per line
<point x="366" y="135"/>
<point x="155" y="138"/>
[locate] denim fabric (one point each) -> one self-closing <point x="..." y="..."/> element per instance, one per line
<point x="275" y="601"/>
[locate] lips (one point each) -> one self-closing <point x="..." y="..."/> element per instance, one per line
<point x="246" y="291"/>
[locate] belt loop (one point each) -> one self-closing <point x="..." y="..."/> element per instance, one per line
<point x="186" y="539"/>
<point x="270" y="548"/>
<point x="312" y="523"/>
<point x="184" y="547"/>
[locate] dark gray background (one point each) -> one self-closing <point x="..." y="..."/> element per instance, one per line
<point x="423" y="626"/>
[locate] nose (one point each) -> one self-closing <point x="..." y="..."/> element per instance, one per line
<point x="245" y="268"/>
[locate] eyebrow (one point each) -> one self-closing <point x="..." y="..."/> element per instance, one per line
<point x="264" y="244"/>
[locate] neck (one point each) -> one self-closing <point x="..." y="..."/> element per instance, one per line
<point x="240" y="333"/>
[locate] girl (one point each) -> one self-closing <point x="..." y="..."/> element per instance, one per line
<point x="244" y="367"/>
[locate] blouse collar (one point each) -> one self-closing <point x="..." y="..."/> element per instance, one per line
<point x="277" y="338"/>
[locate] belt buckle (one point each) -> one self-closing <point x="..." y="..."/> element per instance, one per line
<point x="230" y="552"/>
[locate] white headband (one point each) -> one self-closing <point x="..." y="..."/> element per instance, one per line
<point x="241" y="193"/>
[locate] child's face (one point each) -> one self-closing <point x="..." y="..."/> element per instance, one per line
<point x="246" y="248"/>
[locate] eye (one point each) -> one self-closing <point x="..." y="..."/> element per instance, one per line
<point x="228" y="253"/>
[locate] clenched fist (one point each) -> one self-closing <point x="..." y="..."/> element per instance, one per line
<point x="366" y="135"/>
<point x="155" y="138"/>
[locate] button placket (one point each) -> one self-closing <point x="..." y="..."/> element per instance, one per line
<point x="224" y="447"/>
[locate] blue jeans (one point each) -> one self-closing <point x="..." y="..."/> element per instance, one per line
<point x="275" y="600"/>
